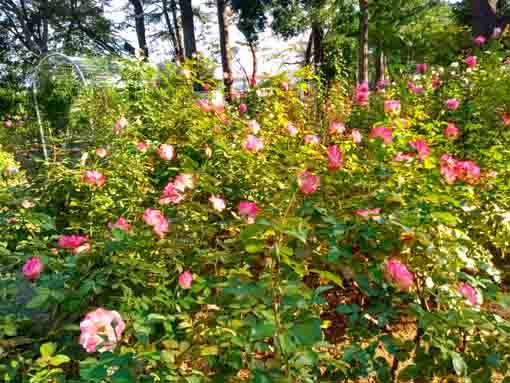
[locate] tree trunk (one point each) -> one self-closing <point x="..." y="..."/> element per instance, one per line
<point x="178" y="35"/>
<point x="308" y="52"/>
<point x="318" y="49"/>
<point x="484" y="18"/>
<point x="380" y="65"/>
<point x="188" y="26"/>
<point x="253" y="50"/>
<point x="363" y="42"/>
<point x="170" y="27"/>
<point x="140" y="26"/>
<point x="226" y="59"/>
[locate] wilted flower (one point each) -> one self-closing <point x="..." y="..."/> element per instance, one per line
<point x="101" y="152"/>
<point x="252" y="143"/>
<point x="100" y="330"/>
<point x="308" y="183"/>
<point x="384" y="133"/>
<point x="166" y="152"/>
<point x="93" y="177"/>
<point x="186" y="280"/>
<point x="311" y="139"/>
<point x="218" y="203"/>
<point x="397" y="272"/>
<point x="469" y="293"/>
<point x="334" y="157"/>
<point x="336" y="127"/>
<point x="32" y="268"/>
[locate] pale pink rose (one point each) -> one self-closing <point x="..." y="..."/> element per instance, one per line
<point x="453" y="169"/>
<point x="93" y="177"/>
<point x="85" y="248"/>
<point x="218" y="105"/>
<point x="252" y="144"/>
<point x="452" y="104"/>
<point x="397" y="272"/>
<point x="254" y="126"/>
<point x="469" y="171"/>
<point x="284" y="86"/>
<point x="469" y="293"/>
<point x="120" y="124"/>
<point x="121" y="224"/>
<point x="336" y="127"/>
<point x="356" y="136"/>
<point x="172" y="194"/>
<point x="403" y="157"/>
<point x="218" y="203"/>
<point x="243" y="108"/>
<point x="27" y="204"/>
<point x="421" y="68"/>
<point x="334" y="157"/>
<point x="32" y="268"/>
<point x="496" y="33"/>
<point x="384" y="133"/>
<point x="8" y="124"/>
<point x="311" y="139"/>
<point x="248" y="209"/>
<point x="205" y="105"/>
<point x="471" y="61"/>
<point x="142" y="147"/>
<point x="184" y="181"/>
<point x="362" y="94"/>
<point x="506" y="119"/>
<point x="101" y="329"/>
<point x="422" y="148"/>
<point x="186" y="280"/>
<point x="71" y="241"/>
<point x="448" y="166"/>
<point x="291" y="129"/>
<point x="369" y="213"/>
<point x="101" y="152"/>
<point x="392" y="106"/>
<point x="308" y="183"/>
<point x="157" y="220"/>
<point x="479" y="40"/>
<point x="166" y="152"/>
<point x="451" y="131"/>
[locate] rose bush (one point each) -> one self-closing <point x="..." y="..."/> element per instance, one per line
<point x="263" y="240"/>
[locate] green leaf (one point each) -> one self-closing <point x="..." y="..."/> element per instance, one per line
<point x="122" y="376"/>
<point x="459" y="364"/>
<point x="59" y="359"/>
<point x="263" y="330"/>
<point x="408" y="373"/>
<point x="307" y="333"/>
<point x="47" y="349"/>
<point x="329" y="276"/>
<point x="254" y="246"/>
<point x="251" y="231"/>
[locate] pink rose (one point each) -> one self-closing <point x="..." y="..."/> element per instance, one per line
<point x="142" y="147"/>
<point x="248" y="209"/>
<point x="479" y="40"/>
<point x="101" y="329"/>
<point x="254" y="126"/>
<point x="157" y="220"/>
<point x="392" y="107"/>
<point x="421" y="68"/>
<point x="308" y="183"/>
<point x="166" y="152"/>
<point x="120" y="124"/>
<point x="334" y="157"/>
<point x="8" y="124"/>
<point x="27" y="204"/>
<point x="284" y="86"/>
<point x="362" y="94"/>
<point x="101" y="152"/>
<point x="422" y="148"/>
<point x="252" y="144"/>
<point x="403" y="157"/>
<point x="336" y="128"/>
<point x="205" y="105"/>
<point x="243" y="108"/>
<point x="397" y="272"/>
<point x="93" y="177"/>
<point x="218" y="203"/>
<point x="186" y="280"/>
<point x="451" y="131"/>
<point x="506" y="119"/>
<point x="172" y="193"/>
<point x="121" y="224"/>
<point x="85" y="248"/>
<point x="356" y="136"/>
<point x="32" y="268"/>
<point x="469" y="293"/>
<point x="291" y="129"/>
<point x="76" y="243"/>
<point x="496" y="33"/>
<point x="436" y="83"/>
<point x="452" y="104"/>
<point x="311" y="139"/>
<point x="471" y="61"/>
<point x="384" y="133"/>
<point x="369" y="213"/>
<point x="416" y="89"/>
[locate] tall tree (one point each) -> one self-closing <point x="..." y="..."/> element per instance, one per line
<point x="484" y="18"/>
<point x="188" y="26"/>
<point x="363" y="42"/>
<point x="226" y="58"/>
<point x="139" y="15"/>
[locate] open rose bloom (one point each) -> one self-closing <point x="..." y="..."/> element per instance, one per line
<point x="248" y="210"/>
<point x="101" y="330"/>
<point x="33" y="268"/>
<point x="252" y="144"/>
<point x="166" y="152"/>
<point x="186" y="280"/>
<point x="121" y="224"/>
<point x="157" y="220"/>
<point x="93" y="177"/>
<point x="335" y="157"/>
<point x="383" y="133"/>
<point x="218" y="203"/>
<point x="468" y="292"/>
<point x="308" y="183"/>
<point x="398" y="273"/>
